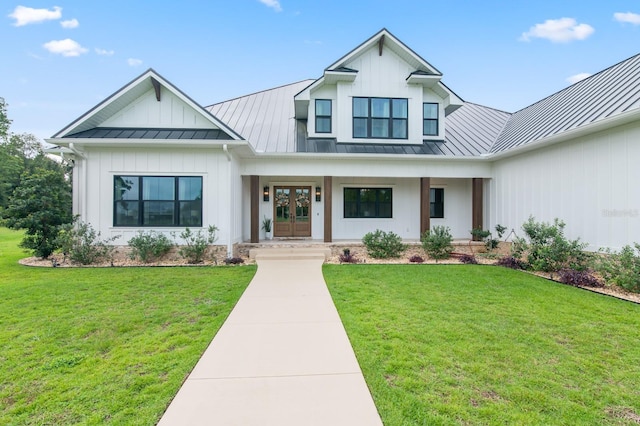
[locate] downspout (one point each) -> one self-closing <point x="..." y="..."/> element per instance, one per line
<point x="82" y="182"/>
<point x="225" y="148"/>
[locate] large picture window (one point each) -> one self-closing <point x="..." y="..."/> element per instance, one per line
<point x="368" y="203"/>
<point x="436" y="197"/>
<point x="430" y="119"/>
<point x="380" y="118"/>
<point x="157" y="201"/>
<point x="323" y="115"/>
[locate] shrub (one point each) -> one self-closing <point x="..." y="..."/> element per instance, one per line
<point x="82" y="244"/>
<point x="233" y="261"/>
<point x="148" y="246"/>
<point x="416" y="259"/>
<point x="347" y="257"/>
<point x="383" y="245"/>
<point x="511" y="262"/>
<point x="437" y="242"/>
<point x="579" y="278"/>
<point x="547" y="249"/>
<point x="196" y="243"/>
<point x="490" y="243"/>
<point x="468" y="259"/>
<point x="622" y="268"/>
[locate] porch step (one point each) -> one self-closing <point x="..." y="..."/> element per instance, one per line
<point x="290" y="253"/>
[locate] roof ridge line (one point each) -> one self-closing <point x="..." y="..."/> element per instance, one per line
<point x="259" y="91"/>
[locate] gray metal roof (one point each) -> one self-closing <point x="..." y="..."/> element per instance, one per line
<point x="265" y="119"/>
<point x="156" y="133"/>
<point x="326" y="145"/>
<point x="605" y="94"/>
<point x="472" y="129"/>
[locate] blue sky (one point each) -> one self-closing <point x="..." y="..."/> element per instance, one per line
<point x="61" y="58"/>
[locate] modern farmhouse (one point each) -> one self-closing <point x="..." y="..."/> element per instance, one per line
<point x="377" y="142"/>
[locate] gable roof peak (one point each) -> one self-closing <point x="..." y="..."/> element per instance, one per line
<point x="148" y="80"/>
<point x="385" y="39"/>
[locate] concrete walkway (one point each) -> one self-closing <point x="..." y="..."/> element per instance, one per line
<point x="281" y="358"/>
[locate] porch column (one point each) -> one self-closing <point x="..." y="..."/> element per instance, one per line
<point x="425" y="205"/>
<point x="255" y="209"/>
<point x="476" y="203"/>
<point x="328" y="203"/>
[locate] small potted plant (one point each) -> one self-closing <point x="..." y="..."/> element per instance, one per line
<point x="266" y="226"/>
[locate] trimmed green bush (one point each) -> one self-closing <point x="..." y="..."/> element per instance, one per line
<point x="197" y="243"/>
<point x="148" y="246"/>
<point x="437" y="242"/>
<point x="82" y="244"/>
<point x="383" y="245"/>
<point x="622" y="268"/>
<point x="547" y="249"/>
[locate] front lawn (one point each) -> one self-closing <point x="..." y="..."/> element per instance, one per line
<point x="462" y="344"/>
<point x="103" y="345"/>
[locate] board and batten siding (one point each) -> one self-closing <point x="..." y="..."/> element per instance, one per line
<point x="171" y="112"/>
<point x="378" y="76"/>
<point x="406" y="208"/>
<point x="103" y="164"/>
<point x="591" y="183"/>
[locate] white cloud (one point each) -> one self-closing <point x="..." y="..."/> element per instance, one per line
<point x="66" y="47"/>
<point x="71" y="23"/>
<point x="561" y="30"/>
<point x="104" y="52"/>
<point x="274" y="4"/>
<point x="631" y="18"/>
<point x="27" y="15"/>
<point x="134" y="62"/>
<point x="578" y="77"/>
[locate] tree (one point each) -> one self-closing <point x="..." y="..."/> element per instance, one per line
<point x="20" y="155"/>
<point x="40" y="205"/>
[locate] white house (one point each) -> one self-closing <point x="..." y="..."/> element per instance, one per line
<point x="378" y="142"/>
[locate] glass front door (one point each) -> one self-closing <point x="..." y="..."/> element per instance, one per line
<point x="292" y="211"/>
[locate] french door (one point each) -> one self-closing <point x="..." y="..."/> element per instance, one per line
<point x="292" y="211"/>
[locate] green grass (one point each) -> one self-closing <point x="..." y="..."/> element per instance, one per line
<point x="449" y="344"/>
<point x="103" y="345"/>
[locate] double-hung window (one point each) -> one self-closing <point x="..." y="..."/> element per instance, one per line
<point x="430" y="119"/>
<point x="380" y="118"/>
<point x="323" y="115"/>
<point x="368" y="203"/>
<point x="436" y="198"/>
<point x="157" y="201"/>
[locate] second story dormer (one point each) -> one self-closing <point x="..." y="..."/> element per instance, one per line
<point x="379" y="93"/>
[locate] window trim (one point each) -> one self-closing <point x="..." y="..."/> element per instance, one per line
<point x="318" y="116"/>
<point x="436" y="120"/>
<point x="390" y="119"/>
<point x="358" y="202"/>
<point x="433" y="203"/>
<point x="177" y="201"/>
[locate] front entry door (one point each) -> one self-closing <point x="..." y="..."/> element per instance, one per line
<point x="292" y="211"/>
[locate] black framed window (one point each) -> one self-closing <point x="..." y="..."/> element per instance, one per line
<point x="380" y="118"/>
<point x="157" y="201"/>
<point x="436" y="198"/>
<point x="323" y="115"/>
<point x="368" y="203"/>
<point x="430" y="119"/>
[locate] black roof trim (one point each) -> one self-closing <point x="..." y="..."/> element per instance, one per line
<point x="150" y="133"/>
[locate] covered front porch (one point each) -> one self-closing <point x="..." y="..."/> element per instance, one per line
<point x="327" y="209"/>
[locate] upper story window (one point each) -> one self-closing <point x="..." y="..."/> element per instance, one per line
<point x="157" y="201"/>
<point x="430" y="119"/>
<point x="323" y="115"/>
<point x="380" y="118"/>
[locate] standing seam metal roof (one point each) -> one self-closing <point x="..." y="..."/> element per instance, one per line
<point x="610" y="92"/>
